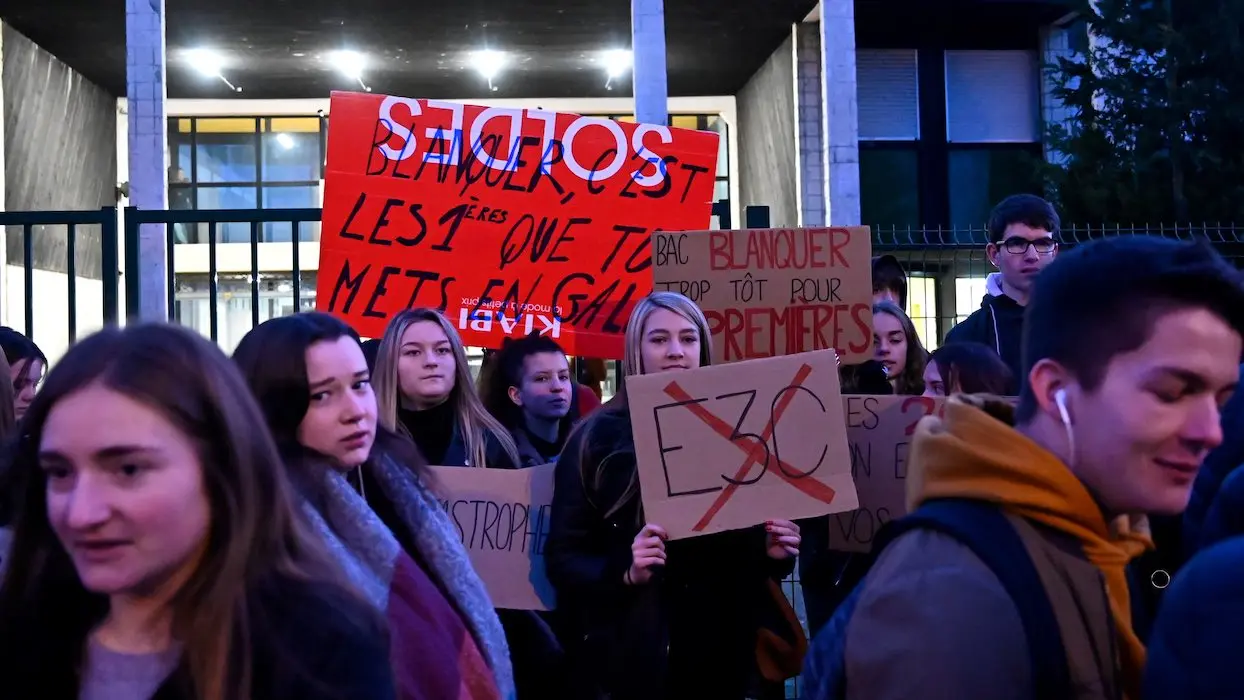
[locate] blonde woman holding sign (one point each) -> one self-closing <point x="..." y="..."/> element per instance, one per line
<point x="648" y="618"/>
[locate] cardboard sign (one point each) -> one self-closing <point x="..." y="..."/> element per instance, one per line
<point x="769" y="292"/>
<point x="508" y="220"/>
<point x="729" y="446"/>
<point x="880" y="429"/>
<point x="503" y="518"/>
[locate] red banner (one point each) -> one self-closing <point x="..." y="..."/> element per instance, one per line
<point x="509" y="220"/>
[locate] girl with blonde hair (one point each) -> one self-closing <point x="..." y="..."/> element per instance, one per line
<point x="424" y="390"/>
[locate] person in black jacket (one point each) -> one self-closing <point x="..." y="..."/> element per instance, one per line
<point x="157" y="530"/>
<point x="652" y="619"/>
<point x="1023" y="239"/>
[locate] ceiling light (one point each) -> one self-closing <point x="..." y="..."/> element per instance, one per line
<point x="351" y="65"/>
<point x="210" y="64"/>
<point x="488" y="63"/>
<point x="205" y="61"/>
<point x="617" y="62"/>
<point x="286" y="141"/>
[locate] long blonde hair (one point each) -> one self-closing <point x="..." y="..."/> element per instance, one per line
<point x="473" y="420"/>
<point x="633" y="351"/>
<point x="608" y="431"/>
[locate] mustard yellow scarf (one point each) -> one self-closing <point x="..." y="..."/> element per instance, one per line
<point x="973" y="452"/>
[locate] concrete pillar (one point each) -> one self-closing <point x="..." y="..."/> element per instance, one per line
<point x="648" y="61"/>
<point x="841" y="115"/>
<point x="809" y="117"/>
<point x="4" y="243"/>
<point x="148" y="145"/>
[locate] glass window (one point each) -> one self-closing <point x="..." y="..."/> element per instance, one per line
<point x="291" y="157"/>
<point x="922" y="308"/>
<point x="181" y="163"/>
<point x="981" y="177"/>
<point x="889" y="94"/>
<point x="685" y="121"/>
<point x="226" y="198"/>
<point x="992" y="97"/>
<point x="889" y="187"/>
<point x="228" y="163"/>
<point x="291" y="197"/>
<point x="968" y="294"/>
<point x="225" y="158"/>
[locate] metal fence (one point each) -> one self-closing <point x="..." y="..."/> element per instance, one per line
<point x="207" y="226"/>
<point x="946" y="271"/>
<point x="257" y="258"/>
<point x="67" y="262"/>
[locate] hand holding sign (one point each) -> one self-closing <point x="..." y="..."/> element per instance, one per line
<point x="769" y="434"/>
<point x="783" y="539"/>
<point x="647" y="552"/>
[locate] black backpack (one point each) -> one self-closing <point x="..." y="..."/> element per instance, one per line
<point x="982" y="528"/>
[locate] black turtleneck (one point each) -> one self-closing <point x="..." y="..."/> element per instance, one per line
<point x="548" y="450"/>
<point x="432" y="429"/>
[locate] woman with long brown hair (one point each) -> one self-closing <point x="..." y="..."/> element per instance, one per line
<point x="367" y="493"/>
<point x="157" y="552"/>
<point x="652" y="620"/>
<point x="896" y="345"/>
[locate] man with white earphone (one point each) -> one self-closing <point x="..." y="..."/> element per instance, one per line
<point x="1014" y="558"/>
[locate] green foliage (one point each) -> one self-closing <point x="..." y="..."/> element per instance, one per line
<point x="1156" y="132"/>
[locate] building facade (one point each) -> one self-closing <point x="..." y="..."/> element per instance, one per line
<point x="890" y="115"/>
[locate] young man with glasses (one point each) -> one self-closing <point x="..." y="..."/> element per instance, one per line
<point x="1023" y="239"/>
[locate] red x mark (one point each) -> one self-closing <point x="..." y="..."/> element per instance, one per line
<point x="813" y="488"/>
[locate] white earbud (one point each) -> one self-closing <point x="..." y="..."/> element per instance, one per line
<point x="1060" y="400"/>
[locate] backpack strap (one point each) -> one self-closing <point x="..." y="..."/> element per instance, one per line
<point x="985" y="530"/>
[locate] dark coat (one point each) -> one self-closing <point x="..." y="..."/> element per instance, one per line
<point x="998" y="323"/>
<point x="691" y="631"/>
<point x="456" y="456"/>
<point x="1194" y="650"/>
<point x="310" y="641"/>
<point x="314" y="646"/>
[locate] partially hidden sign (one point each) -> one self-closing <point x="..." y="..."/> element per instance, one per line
<point x="770" y="292"/>
<point x="729" y="446"/>
<point x="503" y="518"/>
<point x="880" y="429"/>
<point x="508" y="220"/>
